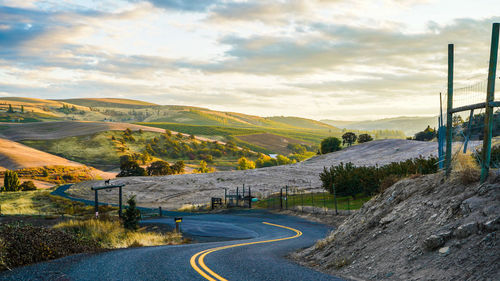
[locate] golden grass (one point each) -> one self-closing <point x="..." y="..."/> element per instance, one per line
<point x="465" y="168"/>
<point x="111" y="234"/>
<point x="22" y="203"/>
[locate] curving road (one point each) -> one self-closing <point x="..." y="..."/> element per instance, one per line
<point x="254" y="248"/>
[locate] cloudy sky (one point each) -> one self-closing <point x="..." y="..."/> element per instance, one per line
<point x="335" y="59"/>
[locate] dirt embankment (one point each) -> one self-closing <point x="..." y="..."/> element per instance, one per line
<point x="418" y="229"/>
<point x="174" y="191"/>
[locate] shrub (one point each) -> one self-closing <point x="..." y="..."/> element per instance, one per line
<point x="27" y="185"/>
<point x="364" y="138"/>
<point x="350" y="180"/>
<point x="330" y="144"/>
<point x="245" y="164"/>
<point x="159" y="168"/>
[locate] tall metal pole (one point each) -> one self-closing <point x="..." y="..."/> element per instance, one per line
<point x="490" y="96"/>
<point x="440" y="133"/>
<point x="449" y="115"/>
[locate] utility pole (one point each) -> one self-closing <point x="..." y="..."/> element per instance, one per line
<point x="490" y="96"/>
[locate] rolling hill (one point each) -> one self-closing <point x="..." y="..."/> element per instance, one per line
<point x="409" y="125"/>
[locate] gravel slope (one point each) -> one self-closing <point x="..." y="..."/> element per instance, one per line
<point x="174" y="191"/>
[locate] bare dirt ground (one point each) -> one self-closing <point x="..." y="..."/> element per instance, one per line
<point x="426" y="228"/>
<point x="172" y="192"/>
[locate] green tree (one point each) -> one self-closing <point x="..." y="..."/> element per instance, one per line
<point x="330" y="144"/>
<point x="168" y="132"/>
<point x="131" y="215"/>
<point x="203" y="167"/>
<point x="364" y="138"/>
<point x="11" y="181"/>
<point x="159" y="168"/>
<point x="129" y="167"/>
<point x="22" y="108"/>
<point x="426" y="135"/>
<point x="178" y="167"/>
<point x="10" y="110"/>
<point x="245" y="164"/>
<point x="349" y="138"/>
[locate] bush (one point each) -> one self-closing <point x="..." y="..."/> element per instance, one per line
<point x="330" y="144"/>
<point x="245" y="164"/>
<point x="26" y="244"/>
<point x="27" y="185"/>
<point x="364" y="138"/>
<point x="350" y="180"/>
<point x="159" y="168"/>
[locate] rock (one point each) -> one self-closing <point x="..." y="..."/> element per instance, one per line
<point x="444" y="251"/>
<point x="433" y="242"/>
<point x="389" y="218"/>
<point x="466" y="230"/>
<point x="492" y="225"/>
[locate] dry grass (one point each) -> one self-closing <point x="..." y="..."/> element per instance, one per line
<point x="15" y="156"/>
<point x="111" y="234"/>
<point x="465" y="168"/>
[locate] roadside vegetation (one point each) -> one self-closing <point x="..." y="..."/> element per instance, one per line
<point x="57" y="227"/>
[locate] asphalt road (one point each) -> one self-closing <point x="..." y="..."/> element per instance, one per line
<point x="261" y="257"/>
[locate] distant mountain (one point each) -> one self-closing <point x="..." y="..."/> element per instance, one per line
<point x="409" y="125"/>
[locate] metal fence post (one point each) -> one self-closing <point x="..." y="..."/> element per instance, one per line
<point x="490" y="96"/>
<point x="286" y="197"/>
<point x="281" y="198"/>
<point x="449" y="115"/>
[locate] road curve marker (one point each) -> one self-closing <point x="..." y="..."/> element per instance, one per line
<point x="207" y="273"/>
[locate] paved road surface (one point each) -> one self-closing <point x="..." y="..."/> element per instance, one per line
<point x="258" y="259"/>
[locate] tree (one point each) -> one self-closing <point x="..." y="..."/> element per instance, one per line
<point x="168" y="132"/>
<point x="191" y="137"/>
<point x="159" y="168"/>
<point x="131" y="215"/>
<point x="349" y="138"/>
<point x="457" y="120"/>
<point x="330" y="144"/>
<point x="10" y="181"/>
<point x="426" y="135"/>
<point x="10" y="109"/>
<point x="129" y="167"/>
<point x="22" y="108"/>
<point x="245" y="164"/>
<point x="203" y="167"/>
<point x="364" y="138"/>
<point x="178" y="167"/>
<point x="27" y="185"/>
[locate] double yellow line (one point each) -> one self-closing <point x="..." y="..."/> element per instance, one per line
<point x="198" y="258"/>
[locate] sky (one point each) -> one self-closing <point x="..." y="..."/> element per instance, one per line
<point x="319" y="59"/>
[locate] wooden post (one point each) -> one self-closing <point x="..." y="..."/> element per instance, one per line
<point x="96" y="204"/>
<point x="286" y="197"/>
<point x="249" y="198"/>
<point x="490" y="96"/>
<point x="120" y="202"/>
<point x="449" y="115"/>
<point x="281" y="198"/>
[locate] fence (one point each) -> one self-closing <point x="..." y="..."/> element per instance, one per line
<point x="470" y="120"/>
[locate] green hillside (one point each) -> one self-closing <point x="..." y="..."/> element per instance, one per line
<point x="109" y="102"/>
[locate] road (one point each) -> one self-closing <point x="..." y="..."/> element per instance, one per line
<point x="254" y="247"/>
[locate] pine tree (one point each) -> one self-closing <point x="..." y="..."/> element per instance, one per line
<point x="132" y="215"/>
<point x="11" y="181"/>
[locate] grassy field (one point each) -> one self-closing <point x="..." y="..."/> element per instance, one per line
<point x="103" y="150"/>
<point x="320" y="200"/>
<point x="41" y="202"/>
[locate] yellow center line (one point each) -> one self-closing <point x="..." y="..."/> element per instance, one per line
<point x="199" y="257"/>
